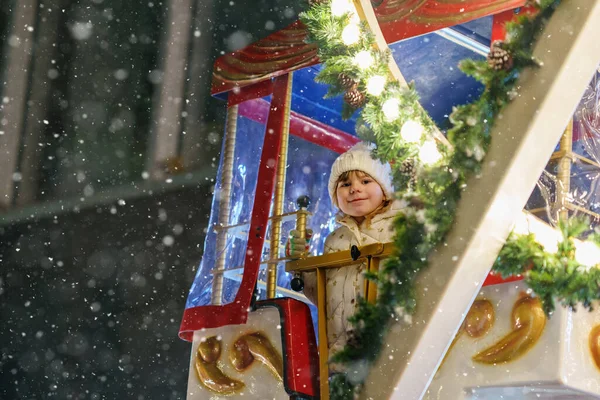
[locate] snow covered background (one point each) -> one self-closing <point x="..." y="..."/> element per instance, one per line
<point x="96" y="256"/>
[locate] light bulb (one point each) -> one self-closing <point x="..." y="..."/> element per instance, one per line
<point x="543" y="233"/>
<point x="429" y="154"/>
<point x="354" y="18"/>
<point x="587" y="253"/>
<point x="375" y="85"/>
<point x="351" y="34"/>
<point x="341" y="7"/>
<point x="391" y="109"/>
<point x="412" y="131"/>
<point x="364" y="59"/>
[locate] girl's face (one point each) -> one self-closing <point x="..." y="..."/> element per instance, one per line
<point x="358" y="194"/>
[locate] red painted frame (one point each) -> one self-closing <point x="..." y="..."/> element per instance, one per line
<point x="303" y="127"/>
<point x="299" y="345"/>
<point x="236" y="312"/>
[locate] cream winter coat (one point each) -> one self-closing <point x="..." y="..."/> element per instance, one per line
<point x="345" y="284"/>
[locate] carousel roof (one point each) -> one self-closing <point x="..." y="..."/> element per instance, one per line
<point x="427" y="38"/>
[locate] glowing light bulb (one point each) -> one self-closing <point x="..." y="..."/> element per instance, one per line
<point x="364" y="59"/>
<point x="354" y="18"/>
<point x="341" y="7"/>
<point x="375" y="85"/>
<point x="351" y="34"/>
<point x="587" y="253"/>
<point x="412" y="131"/>
<point x="391" y="109"/>
<point x="429" y="154"/>
<point x="543" y="233"/>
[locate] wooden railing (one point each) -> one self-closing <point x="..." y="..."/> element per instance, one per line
<point x="371" y="254"/>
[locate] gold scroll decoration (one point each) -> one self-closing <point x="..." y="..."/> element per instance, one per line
<point x="478" y="322"/>
<point x="479" y="319"/>
<point x="595" y="345"/>
<point x="246" y="349"/>
<point x="256" y="346"/>
<point x="209" y="374"/>
<point x="528" y="322"/>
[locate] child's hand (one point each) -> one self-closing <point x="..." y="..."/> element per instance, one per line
<point x="296" y="246"/>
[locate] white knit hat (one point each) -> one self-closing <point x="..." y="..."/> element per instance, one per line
<point x="358" y="157"/>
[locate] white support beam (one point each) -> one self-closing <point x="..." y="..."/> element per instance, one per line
<point x="523" y="140"/>
<point x="165" y="142"/>
<point x="14" y="93"/>
<point x="38" y="102"/>
<point x="194" y="150"/>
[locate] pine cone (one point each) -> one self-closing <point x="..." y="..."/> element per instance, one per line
<point x="345" y="81"/>
<point x="352" y="340"/>
<point x="354" y="97"/>
<point x="407" y="168"/>
<point x="499" y="58"/>
<point x="533" y="3"/>
<point x="417" y="203"/>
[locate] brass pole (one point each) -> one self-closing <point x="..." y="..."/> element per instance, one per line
<point x="563" y="184"/>
<point x="224" y="203"/>
<point x="322" y="328"/>
<point x="275" y="237"/>
<point x="301" y="222"/>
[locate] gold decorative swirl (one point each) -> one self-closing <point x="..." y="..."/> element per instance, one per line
<point x="209" y="374"/>
<point x="256" y="346"/>
<point x="478" y="322"/>
<point x="595" y="345"/>
<point x="479" y="319"/>
<point x="528" y="320"/>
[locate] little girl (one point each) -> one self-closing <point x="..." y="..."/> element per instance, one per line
<point x="361" y="187"/>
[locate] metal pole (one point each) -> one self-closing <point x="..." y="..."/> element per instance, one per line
<point x="563" y="184"/>
<point x="224" y="202"/>
<point x="279" y="195"/>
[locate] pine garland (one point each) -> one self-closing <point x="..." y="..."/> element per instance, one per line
<point x="552" y="276"/>
<point x="432" y="196"/>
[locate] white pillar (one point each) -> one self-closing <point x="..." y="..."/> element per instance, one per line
<point x="194" y="150"/>
<point x="38" y="101"/>
<point x="15" y="88"/>
<point x="166" y="131"/>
